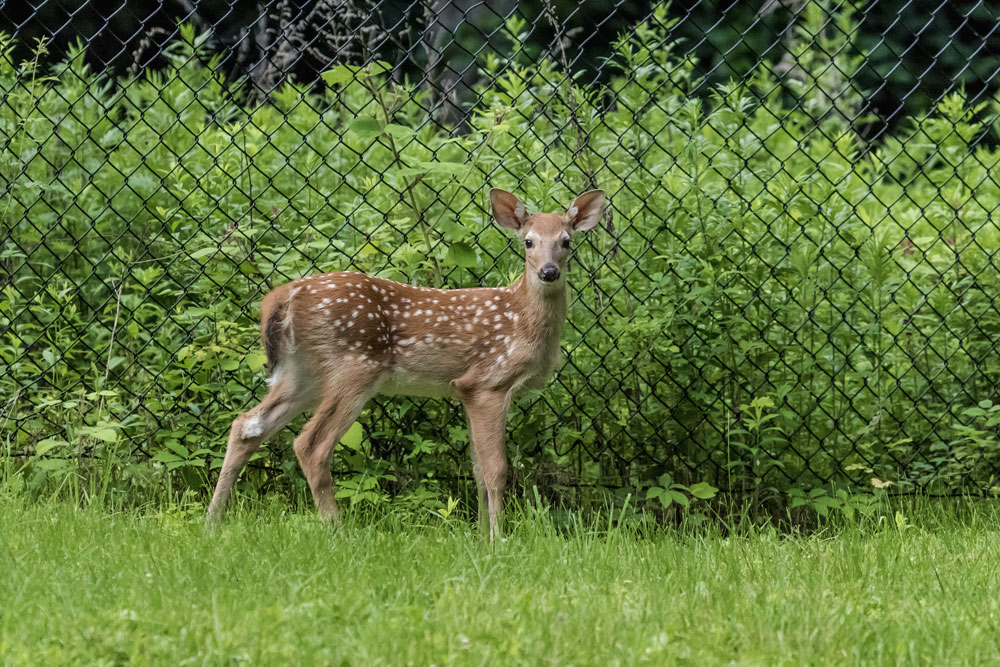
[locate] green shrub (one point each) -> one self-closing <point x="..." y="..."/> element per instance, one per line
<point x="772" y="303"/>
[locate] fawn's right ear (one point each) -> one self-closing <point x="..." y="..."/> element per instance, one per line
<point x="508" y="210"/>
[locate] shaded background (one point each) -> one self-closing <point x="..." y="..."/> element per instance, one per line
<point x="916" y="50"/>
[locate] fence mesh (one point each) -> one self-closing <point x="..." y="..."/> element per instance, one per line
<point x="794" y="284"/>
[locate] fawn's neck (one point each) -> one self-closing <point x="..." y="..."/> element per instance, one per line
<point x="544" y="307"/>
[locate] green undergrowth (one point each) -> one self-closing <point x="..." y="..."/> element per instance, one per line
<point x="774" y="305"/>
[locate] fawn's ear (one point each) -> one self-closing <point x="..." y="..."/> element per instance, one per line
<point x="508" y="210"/>
<point x="586" y="210"/>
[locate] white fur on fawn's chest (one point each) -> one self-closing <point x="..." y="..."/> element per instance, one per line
<point x="541" y="364"/>
<point x="518" y="364"/>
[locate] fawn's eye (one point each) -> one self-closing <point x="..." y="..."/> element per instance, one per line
<point x="565" y="243"/>
<point x="527" y="243"/>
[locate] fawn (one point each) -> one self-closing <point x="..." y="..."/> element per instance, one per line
<point x="335" y="340"/>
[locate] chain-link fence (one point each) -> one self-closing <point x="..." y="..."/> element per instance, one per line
<point x="794" y="284"/>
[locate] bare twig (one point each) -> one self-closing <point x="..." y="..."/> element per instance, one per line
<point x="571" y="101"/>
<point x="111" y="343"/>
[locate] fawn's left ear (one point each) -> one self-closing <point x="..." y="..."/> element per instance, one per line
<point x="586" y="210"/>
<point x="508" y="210"/>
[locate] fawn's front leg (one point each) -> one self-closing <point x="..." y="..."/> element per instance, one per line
<point x="487" y="412"/>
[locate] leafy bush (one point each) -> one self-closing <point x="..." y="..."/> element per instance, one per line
<point x="772" y="303"/>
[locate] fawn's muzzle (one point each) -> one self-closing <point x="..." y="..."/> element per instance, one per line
<point x="549" y="273"/>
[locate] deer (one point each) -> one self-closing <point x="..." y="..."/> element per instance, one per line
<point x="335" y="340"/>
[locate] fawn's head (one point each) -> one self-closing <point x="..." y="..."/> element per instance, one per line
<point x="546" y="235"/>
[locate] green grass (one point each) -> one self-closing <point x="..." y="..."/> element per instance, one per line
<point x="88" y="586"/>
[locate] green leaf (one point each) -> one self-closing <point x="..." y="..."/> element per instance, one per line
<point x="435" y="167"/>
<point x="450" y="168"/>
<point x="679" y="498"/>
<point x="461" y="254"/>
<point x="103" y="431"/>
<point x="204" y="252"/>
<point x="48" y="445"/>
<point x="163" y="456"/>
<point x="703" y="490"/>
<point x="255" y="361"/>
<point x="248" y="268"/>
<point x="52" y="465"/>
<point x="399" y="131"/>
<point x="339" y="75"/>
<point x="354" y="437"/>
<point x="365" y="127"/>
<point x="176" y="447"/>
<point x="104" y="434"/>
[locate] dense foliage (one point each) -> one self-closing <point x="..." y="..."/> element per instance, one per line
<point x="772" y="304"/>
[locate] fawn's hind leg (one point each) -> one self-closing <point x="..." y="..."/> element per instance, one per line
<point x="340" y="406"/>
<point x="281" y="405"/>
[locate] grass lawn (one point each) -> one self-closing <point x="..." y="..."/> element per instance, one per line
<point x="86" y="586"/>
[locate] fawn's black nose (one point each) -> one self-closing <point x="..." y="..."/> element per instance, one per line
<point x="549" y="273"/>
